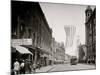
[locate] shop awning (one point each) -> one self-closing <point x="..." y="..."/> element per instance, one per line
<point x="44" y="51"/>
<point x="22" y="50"/>
<point x="44" y="55"/>
<point x="36" y="48"/>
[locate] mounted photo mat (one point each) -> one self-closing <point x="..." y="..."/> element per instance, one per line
<point x="52" y="37"/>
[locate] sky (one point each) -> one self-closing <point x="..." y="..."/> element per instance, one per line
<point x="60" y="15"/>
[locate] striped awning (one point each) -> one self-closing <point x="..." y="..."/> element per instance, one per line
<point x="22" y="50"/>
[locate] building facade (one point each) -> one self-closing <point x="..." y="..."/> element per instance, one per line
<point x="53" y="45"/>
<point x="29" y="22"/>
<point x="60" y="53"/>
<point x="90" y="26"/>
<point x="82" y="53"/>
<point x="67" y="59"/>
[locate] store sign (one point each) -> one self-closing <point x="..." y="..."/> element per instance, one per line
<point x="15" y="42"/>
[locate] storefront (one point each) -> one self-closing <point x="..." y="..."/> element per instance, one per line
<point x="40" y="56"/>
<point x="44" y="59"/>
<point x="20" y="53"/>
<point x="23" y="51"/>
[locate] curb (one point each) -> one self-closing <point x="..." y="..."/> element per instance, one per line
<point x="51" y="69"/>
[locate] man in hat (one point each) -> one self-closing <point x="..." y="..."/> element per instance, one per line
<point x="22" y="67"/>
<point x="16" y="67"/>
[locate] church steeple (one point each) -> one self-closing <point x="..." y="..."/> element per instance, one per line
<point x="88" y="12"/>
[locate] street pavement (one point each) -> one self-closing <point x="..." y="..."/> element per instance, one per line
<point x="68" y="67"/>
<point x="44" y="69"/>
<point x="65" y="67"/>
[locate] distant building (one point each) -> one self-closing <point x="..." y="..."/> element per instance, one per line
<point x="82" y="53"/>
<point x="53" y="45"/>
<point x="90" y="26"/>
<point x="77" y="46"/>
<point x="67" y="58"/>
<point x="60" y="52"/>
<point x="29" y="22"/>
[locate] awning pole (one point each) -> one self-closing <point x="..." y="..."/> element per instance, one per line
<point x="35" y="56"/>
<point x="29" y="57"/>
<point x="32" y="59"/>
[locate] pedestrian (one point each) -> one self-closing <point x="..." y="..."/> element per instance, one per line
<point x="27" y="67"/>
<point x="16" y="67"/>
<point x="29" y="62"/>
<point x="39" y="66"/>
<point x="34" y="67"/>
<point x="22" y="67"/>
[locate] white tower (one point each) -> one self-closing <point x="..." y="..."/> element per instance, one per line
<point x="70" y="32"/>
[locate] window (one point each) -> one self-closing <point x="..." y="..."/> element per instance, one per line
<point x="29" y="33"/>
<point x="22" y="29"/>
<point x="94" y="21"/>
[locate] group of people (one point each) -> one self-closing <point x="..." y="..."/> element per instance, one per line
<point x="23" y="67"/>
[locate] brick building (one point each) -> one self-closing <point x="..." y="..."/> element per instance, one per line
<point x="28" y="22"/>
<point x="82" y="53"/>
<point x="90" y="26"/>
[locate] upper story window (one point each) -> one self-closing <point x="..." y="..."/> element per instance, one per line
<point x="22" y="29"/>
<point x="89" y="14"/>
<point x="29" y="33"/>
<point x="94" y="21"/>
<point x="90" y="26"/>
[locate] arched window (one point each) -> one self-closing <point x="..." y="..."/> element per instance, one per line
<point x="22" y="29"/>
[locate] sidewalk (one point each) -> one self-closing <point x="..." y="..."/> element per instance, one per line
<point x="88" y="64"/>
<point x="45" y="69"/>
